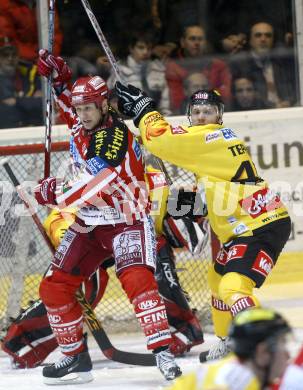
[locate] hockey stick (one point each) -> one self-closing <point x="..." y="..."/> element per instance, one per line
<point x="113" y="62"/>
<point x="49" y="106"/>
<point x="93" y="323"/>
<point x="102" y="39"/>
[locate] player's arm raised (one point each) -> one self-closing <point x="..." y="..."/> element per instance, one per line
<point x="158" y="136"/>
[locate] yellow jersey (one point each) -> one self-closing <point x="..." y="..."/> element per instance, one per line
<point x="226" y="374"/>
<point x="238" y="201"/>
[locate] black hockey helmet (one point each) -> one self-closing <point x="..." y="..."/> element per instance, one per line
<point x="253" y="326"/>
<point x="205" y="96"/>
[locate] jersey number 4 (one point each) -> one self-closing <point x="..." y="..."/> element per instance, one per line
<point x="245" y="173"/>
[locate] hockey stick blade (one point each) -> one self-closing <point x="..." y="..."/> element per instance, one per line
<point x="94" y="325"/>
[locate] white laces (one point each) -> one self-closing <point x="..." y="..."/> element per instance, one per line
<point x="64" y="362"/>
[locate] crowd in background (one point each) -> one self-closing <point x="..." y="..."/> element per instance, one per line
<point x="168" y="48"/>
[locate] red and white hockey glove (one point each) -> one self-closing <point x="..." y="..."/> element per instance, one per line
<point x="47" y="64"/>
<point x="45" y="191"/>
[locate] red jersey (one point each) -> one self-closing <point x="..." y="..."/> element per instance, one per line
<point x="108" y="186"/>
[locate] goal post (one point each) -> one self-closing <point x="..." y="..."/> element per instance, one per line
<point x="24" y="256"/>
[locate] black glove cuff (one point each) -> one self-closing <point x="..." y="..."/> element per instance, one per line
<point x="151" y="106"/>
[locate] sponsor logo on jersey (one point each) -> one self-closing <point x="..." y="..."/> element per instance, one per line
<point x="96" y="164"/>
<point x="149" y="304"/>
<point x="152" y="118"/>
<point x="260" y="202"/>
<point x="236" y="252"/>
<point x="263" y="264"/>
<point x="228" y="134"/>
<point x="156" y="180"/>
<point x="116" y="145"/>
<point x="222" y="257"/>
<point x="232" y="219"/>
<point x="155" y="131"/>
<point x="178" y="130"/>
<point x="240" y="229"/>
<point x="99" y="141"/>
<point x="137" y="150"/>
<point x="128" y="249"/>
<point x="210" y="137"/>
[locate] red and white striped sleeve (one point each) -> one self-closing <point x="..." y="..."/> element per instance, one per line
<point x="66" y="111"/>
<point x="85" y="190"/>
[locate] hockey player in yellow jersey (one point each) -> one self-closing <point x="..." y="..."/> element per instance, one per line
<point x="260" y="356"/>
<point x="248" y="217"/>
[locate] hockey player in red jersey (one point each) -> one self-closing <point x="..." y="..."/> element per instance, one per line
<point x="112" y="221"/>
<point x="29" y="339"/>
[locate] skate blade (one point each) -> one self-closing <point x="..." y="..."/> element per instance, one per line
<point x="73" y="378"/>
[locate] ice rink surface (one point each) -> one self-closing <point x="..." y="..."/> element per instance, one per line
<point x="109" y="375"/>
<point x="286" y="298"/>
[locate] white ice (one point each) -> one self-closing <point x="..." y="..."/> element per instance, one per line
<point x="109" y="375"/>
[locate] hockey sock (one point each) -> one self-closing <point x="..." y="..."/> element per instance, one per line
<point x="150" y="311"/>
<point x="220" y="311"/>
<point x="64" y="312"/>
<point x="221" y="317"/>
<point x="236" y="291"/>
<point x="141" y="288"/>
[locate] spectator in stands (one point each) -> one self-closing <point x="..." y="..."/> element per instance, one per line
<point x="20" y="93"/>
<point x="140" y="70"/>
<point x="245" y="95"/>
<point x="234" y="43"/>
<point x="18" y="20"/>
<point x="271" y="68"/>
<point x="192" y="83"/>
<point x="193" y="56"/>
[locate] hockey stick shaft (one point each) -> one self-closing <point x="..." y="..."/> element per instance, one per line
<point x="49" y="106"/>
<point x="113" y="62"/>
<point x="93" y="323"/>
<point x="102" y="39"/>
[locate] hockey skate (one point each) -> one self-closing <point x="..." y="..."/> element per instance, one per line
<point x="217" y="351"/>
<point x="69" y="370"/>
<point x="167" y="365"/>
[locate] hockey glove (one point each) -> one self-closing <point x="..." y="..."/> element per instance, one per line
<point x="45" y="191"/>
<point x="133" y="102"/>
<point x="48" y="64"/>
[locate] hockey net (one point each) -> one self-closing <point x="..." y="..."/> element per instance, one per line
<point x="24" y="256"/>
